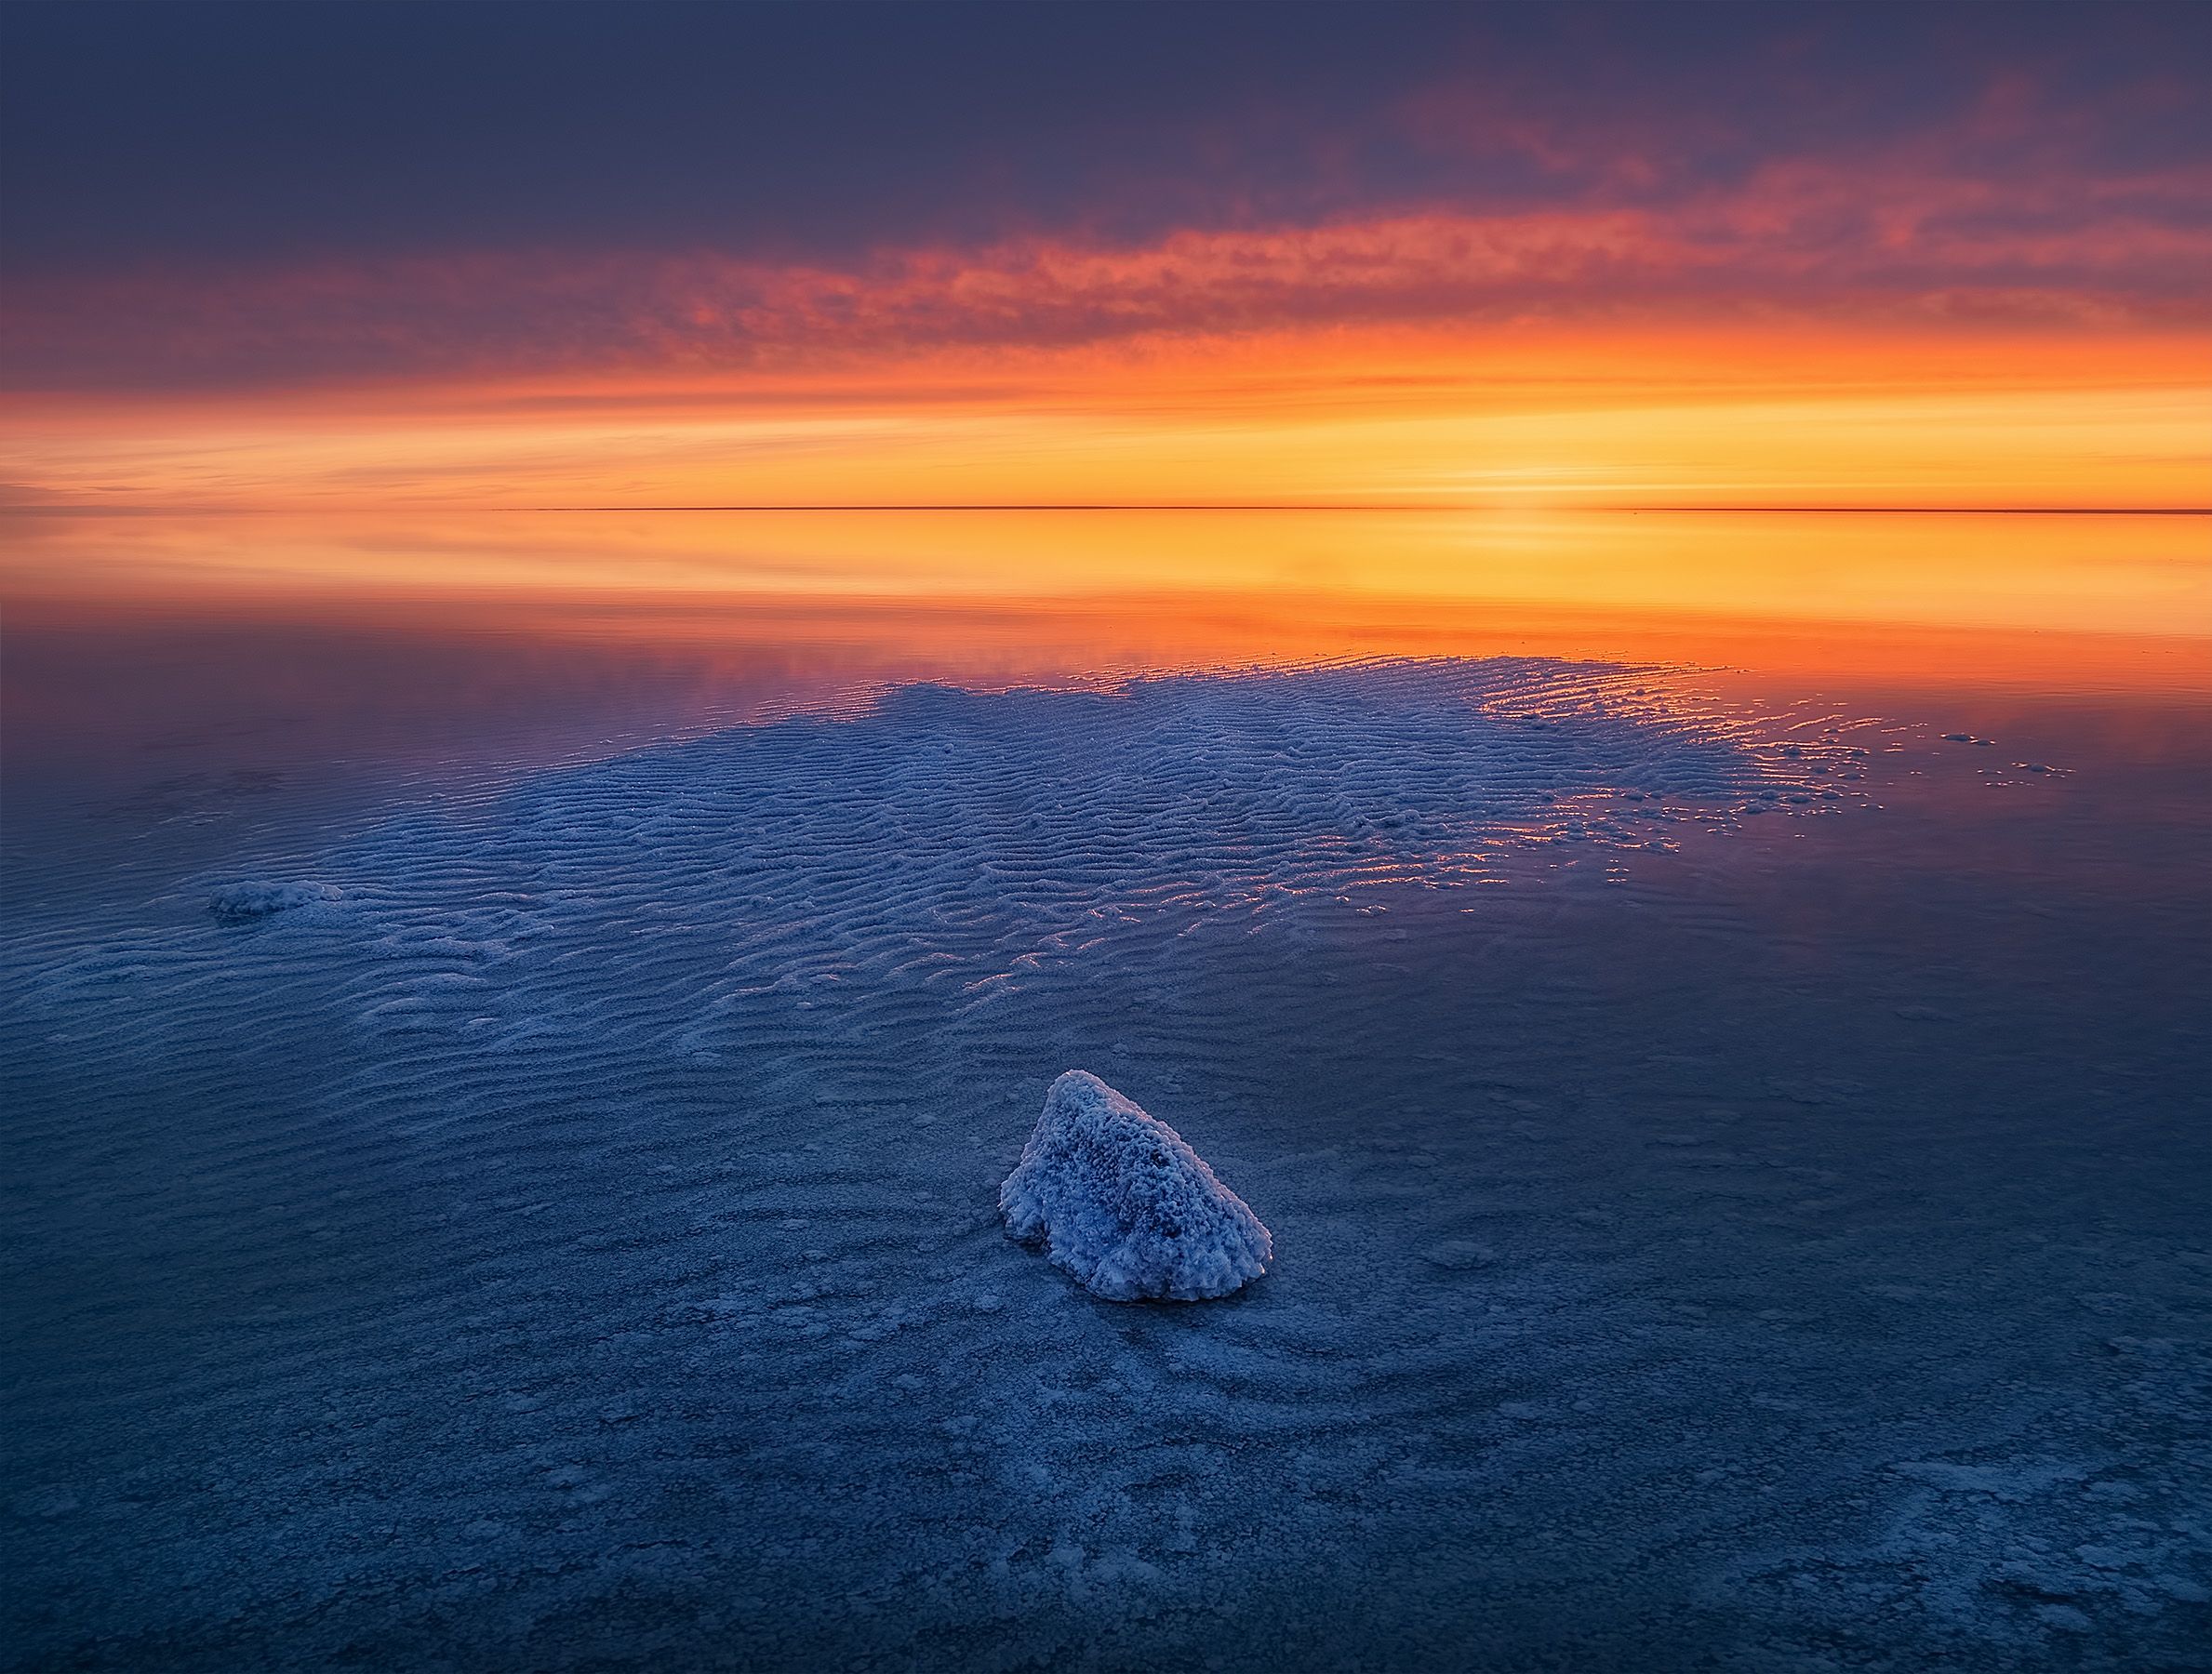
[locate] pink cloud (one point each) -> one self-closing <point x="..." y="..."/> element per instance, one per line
<point x="1816" y="238"/>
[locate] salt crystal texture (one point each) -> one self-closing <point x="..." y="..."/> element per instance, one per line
<point x="249" y="903"/>
<point x="1123" y="1205"/>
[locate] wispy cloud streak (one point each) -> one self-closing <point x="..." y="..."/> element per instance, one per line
<point x="1797" y="242"/>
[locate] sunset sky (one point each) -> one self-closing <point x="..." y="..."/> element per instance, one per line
<point x="308" y="257"/>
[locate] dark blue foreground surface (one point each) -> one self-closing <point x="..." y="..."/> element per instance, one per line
<point x="1705" y="1241"/>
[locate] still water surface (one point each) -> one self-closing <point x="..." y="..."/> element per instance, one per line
<point x="1727" y="1082"/>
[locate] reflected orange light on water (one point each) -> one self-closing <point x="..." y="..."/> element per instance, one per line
<point x="2116" y="601"/>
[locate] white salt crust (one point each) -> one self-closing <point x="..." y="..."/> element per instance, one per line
<point x="1124" y="1206"/>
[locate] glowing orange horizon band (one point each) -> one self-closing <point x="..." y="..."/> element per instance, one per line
<point x="1554" y="415"/>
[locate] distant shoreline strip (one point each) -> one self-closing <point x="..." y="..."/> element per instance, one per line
<point x="1331" y="507"/>
<point x="1259" y="505"/>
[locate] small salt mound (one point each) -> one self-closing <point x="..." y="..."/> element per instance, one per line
<point x="1126" y="1207"/>
<point x="249" y="903"/>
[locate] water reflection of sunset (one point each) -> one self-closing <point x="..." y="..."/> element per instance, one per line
<point x="1959" y="592"/>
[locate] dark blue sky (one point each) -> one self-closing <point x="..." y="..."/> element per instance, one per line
<point x="230" y="134"/>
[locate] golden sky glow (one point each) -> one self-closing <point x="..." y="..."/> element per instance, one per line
<point x="1756" y="414"/>
<point x="1524" y="266"/>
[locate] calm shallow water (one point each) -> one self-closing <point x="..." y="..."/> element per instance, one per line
<point x="1737" y="1157"/>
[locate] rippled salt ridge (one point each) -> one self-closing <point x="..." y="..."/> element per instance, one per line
<point x="956" y="846"/>
<point x="558" y="1228"/>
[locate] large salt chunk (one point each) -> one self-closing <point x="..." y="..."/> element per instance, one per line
<point x="1122" y="1204"/>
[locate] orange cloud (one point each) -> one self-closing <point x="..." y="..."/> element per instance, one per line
<point x="1808" y="335"/>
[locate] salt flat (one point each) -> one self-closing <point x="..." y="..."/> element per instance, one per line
<point x="554" y="1224"/>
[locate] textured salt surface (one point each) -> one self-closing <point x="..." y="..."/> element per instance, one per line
<point x="572" y="1241"/>
<point x="957" y="847"/>
<point x="245" y="903"/>
<point x="1125" y="1205"/>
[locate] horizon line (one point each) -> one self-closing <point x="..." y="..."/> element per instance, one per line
<point x="1000" y="506"/>
<point x="1389" y="506"/>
